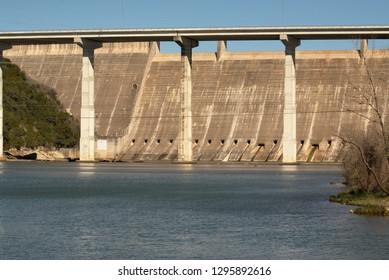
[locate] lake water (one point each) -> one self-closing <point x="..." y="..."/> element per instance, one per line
<point x="171" y="211"/>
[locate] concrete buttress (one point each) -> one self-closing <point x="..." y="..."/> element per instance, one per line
<point x="185" y="153"/>
<point x="87" y="119"/>
<point x="363" y="48"/>
<point x="2" y="48"/>
<point x="221" y="49"/>
<point x="289" y="134"/>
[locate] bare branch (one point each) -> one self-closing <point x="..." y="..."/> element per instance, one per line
<point x="367" y="165"/>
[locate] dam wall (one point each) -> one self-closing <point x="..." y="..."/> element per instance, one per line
<point x="237" y="99"/>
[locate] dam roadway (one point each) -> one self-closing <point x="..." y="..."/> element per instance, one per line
<point x="189" y="121"/>
<point x="199" y="34"/>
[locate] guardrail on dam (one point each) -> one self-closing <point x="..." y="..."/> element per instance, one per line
<point x="135" y="103"/>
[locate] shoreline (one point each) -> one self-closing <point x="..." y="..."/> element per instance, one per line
<point x="200" y="162"/>
<point x="368" y="203"/>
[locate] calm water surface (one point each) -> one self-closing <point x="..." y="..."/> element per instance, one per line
<point x="169" y="211"/>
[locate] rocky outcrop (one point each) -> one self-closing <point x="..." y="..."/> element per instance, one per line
<point x="40" y="154"/>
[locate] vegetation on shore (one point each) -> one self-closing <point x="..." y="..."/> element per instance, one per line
<point x="372" y="203"/>
<point x="33" y="117"/>
<point x="366" y="161"/>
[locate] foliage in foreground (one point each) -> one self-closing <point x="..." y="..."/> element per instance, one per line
<point x="33" y="117"/>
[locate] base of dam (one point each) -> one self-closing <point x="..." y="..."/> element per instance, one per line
<point x="237" y="100"/>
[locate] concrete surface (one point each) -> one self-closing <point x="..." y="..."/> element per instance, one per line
<point x="237" y="99"/>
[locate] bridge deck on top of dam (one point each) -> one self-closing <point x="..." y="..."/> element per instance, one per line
<point x="237" y="103"/>
<point x="199" y="34"/>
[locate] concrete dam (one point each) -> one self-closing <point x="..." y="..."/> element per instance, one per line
<point x="237" y="99"/>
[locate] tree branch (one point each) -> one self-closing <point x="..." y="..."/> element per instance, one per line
<point x="367" y="165"/>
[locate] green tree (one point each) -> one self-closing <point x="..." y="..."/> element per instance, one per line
<point x="33" y="117"/>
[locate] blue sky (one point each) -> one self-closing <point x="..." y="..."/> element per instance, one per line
<point x="22" y="15"/>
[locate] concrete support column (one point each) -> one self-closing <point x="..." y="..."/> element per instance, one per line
<point x="363" y="47"/>
<point x="87" y="118"/>
<point x="289" y="136"/>
<point x="185" y="135"/>
<point x="2" y="48"/>
<point x="221" y="49"/>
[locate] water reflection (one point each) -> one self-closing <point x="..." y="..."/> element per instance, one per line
<point x="87" y="169"/>
<point x="186" y="167"/>
<point x="289" y="167"/>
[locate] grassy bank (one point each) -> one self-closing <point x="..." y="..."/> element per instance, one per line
<point x="372" y="204"/>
